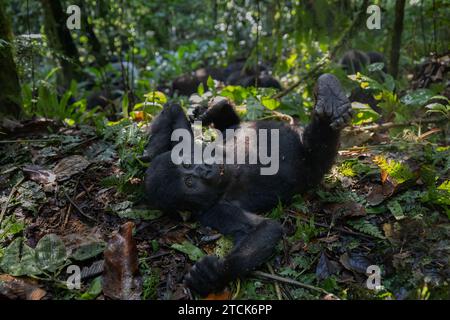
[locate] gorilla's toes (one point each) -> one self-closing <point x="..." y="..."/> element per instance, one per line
<point x="331" y="101"/>
<point x="206" y="276"/>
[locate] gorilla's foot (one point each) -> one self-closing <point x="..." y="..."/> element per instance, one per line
<point x="331" y="102"/>
<point x="207" y="276"/>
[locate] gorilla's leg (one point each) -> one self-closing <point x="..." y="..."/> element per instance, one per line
<point x="255" y="239"/>
<point x="321" y="137"/>
<point x="171" y="117"/>
<point x="220" y="113"/>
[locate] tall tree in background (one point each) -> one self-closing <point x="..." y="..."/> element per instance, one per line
<point x="60" y="39"/>
<point x="397" y="37"/>
<point x="10" y="95"/>
<point x="88" y="29"/>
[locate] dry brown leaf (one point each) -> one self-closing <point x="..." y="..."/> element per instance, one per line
<point x="225" y="295"/>
<point x="70" y="166"/>
<point x="20" y="288"/>
<point x="121" y="279"/>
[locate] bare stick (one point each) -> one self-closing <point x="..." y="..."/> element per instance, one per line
<point x="292" y="282"/>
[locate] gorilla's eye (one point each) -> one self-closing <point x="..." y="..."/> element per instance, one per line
<point x="188" y="181"/>
<point x="187" y="165"/>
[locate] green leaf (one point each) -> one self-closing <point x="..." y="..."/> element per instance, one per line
<point x="417" y="98"/>
<point x="19" y="259"/>
<point x="254" y="109"/>
<point x="194" y="253"/>
<point x="200" y="89"/>
<point x="125" y="210"/>
<point x="94" y="289"/>
<point x="125" y="106"/>
<point x="367" y="228"/>
<point x="88" y="251"/>
<point x="210" y="83"/>
<point x="363" y="114"/>
<point x="396" y="209"/>
<point x="50" y="253"/>
<point x="10" y="227"/>
<point x="270" y="103"/>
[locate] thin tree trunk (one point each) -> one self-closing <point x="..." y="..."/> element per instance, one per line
<point x="88" y="28"/>
<point x="10" y="93"/>
<point x="60" y="39"/>
<point x="397" y="37"/>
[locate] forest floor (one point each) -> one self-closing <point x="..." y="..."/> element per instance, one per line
<point x="65" y="192"/>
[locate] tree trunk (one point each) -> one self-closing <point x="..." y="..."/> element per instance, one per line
<point x="397" y="37"/>
<point x="10" y="93"/>
<point x="60" y="40"/>
<point x="88" y="28"/>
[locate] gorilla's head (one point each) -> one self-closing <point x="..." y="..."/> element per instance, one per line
<point x="185" y="187"/>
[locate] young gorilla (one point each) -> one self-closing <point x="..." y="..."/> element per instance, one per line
<point x="227" y="197"/>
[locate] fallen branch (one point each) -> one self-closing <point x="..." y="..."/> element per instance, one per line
<point x="292" y="282"/>
<point x="277" y="286"/>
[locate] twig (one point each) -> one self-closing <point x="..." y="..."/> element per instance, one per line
<point x="292" y="282"/>
<point x="13" y="190"/>
<point x="323" y="225"/>
<point x="78" y="208"/>
<point x="277" y="286"/>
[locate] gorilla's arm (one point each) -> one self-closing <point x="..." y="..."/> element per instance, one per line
<point x="321" y="137"/>
<point x="255" y="239"/>
<point x="221" y="114"/>
<point x="172" y="117"/>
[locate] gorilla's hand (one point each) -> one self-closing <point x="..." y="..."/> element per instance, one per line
<point x="208" y="275"/>
<point x="331" y="102"/>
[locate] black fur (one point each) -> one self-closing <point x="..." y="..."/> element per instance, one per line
<point x="228" y="197"/>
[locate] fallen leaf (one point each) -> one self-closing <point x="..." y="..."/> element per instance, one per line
<point x="324" y="267"/>
<point x="121" y="278"/>
<point x="70" y="166"/>
<point x="16" y="288"/>
<point x="40" y="175"/>
<point x="346" y="209"/>
<point x="188" y="248"/>
<point x="225" y="295"/>
<point x="355" y="262"/>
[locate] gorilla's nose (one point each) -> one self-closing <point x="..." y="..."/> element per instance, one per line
<point x="204" y="171"/>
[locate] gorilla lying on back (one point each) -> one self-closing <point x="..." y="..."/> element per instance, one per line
<point x="228" y="197"/>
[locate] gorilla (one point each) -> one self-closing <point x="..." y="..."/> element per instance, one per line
<point x="236" y="74"/>
<point x="354" y="61"/>
<point x="118" y="75"/>
<point x="227" y="196"/>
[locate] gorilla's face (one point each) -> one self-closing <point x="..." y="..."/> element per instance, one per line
<point x="183" y="187"/>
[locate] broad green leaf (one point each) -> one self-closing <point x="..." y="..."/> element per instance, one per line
<point x="50" y="253"/>
<point x="94" y="289"/>
<point x="188" y="248"/>
<point x="19" y="259"/>
<point x="270" y="103"/>
<point x="417" y="98"/>
<point x="88" y="250"/>
<point x="363" y="114"/>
